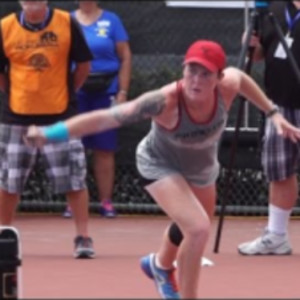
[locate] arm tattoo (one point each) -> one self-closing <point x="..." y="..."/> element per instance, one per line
<point x="148" y="105"/>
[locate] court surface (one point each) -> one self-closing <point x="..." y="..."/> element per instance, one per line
<point x="49" y="270"/>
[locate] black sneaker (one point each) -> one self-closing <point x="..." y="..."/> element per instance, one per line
<point x="83" y="247"/>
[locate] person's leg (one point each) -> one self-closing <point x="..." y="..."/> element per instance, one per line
<point x="179" y="201"/>
<point x="16" y="162"/>
<point x="283" y="197"/>
<point x="103" y="146"/>
<point x="283" y="188"/>
<point x="66" y="168"/>
<point x="280" y="158"/>
<point x="206" y="196"/>
<point x="78" y="201"/>
<point x="8" y="205"/>
<point x="104" y="171"/>
<point x="67" y="213"/>
<point x="167" y="252"/>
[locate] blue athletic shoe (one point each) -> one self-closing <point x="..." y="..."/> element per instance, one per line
<point x="164" y="279"/>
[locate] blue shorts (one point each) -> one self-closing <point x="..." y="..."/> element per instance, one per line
<point x="101" y="141"/>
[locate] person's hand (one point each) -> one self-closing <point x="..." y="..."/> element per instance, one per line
<point x="121" y="97"/>
<point x="254" y="40"/>
<point x="285" y="128"/>
<point x="34" y="137"/>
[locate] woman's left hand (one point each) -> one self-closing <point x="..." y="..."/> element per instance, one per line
<point x="34" y="137"/>
<point x="285" y="128"/>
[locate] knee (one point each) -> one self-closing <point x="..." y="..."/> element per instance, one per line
<point x="198" y="233"/>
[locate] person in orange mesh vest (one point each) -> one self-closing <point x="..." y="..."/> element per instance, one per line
<point x="37" y="46"/>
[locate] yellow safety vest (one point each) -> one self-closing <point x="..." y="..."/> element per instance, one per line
<point x="38" y="64"/>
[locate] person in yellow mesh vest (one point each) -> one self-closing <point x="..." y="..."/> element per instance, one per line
<point x="37" y="46"/>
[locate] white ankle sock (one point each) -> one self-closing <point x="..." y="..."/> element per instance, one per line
<point x="278" y="219"/>
<point x="158" y="264"/>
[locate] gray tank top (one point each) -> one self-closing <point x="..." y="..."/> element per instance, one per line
<point x="190" y="148"/>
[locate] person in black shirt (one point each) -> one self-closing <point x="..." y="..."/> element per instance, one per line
<point x="280" y="157"/>
<point x="37" y="46"/>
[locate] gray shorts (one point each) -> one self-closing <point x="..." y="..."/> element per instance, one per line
<point x="64" y="162"/>
<point x="280" y="156"/>
<point x="153" y="166"/>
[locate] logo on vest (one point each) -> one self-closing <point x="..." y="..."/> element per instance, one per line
<point x="39" y="62"/>
<point x="46" y="39"/>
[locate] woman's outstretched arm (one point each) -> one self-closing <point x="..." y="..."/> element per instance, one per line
<point x="146" y="106"/>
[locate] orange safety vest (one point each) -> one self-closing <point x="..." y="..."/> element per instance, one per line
<point x="39" y="63"/>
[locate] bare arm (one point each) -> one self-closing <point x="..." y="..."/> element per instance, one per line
<point x="3" y="83"/>
<point x="258" y="53"/>
<point x="124" y="53"/>
<point x="236" y="82"/>
<point x="247" y="87"/>
<point x="80" y="74"/>
<point x="148" y="105"/>
<point x="254" y="42"/>
<point x="251" y="91"/>
<point x="3" y="65"/>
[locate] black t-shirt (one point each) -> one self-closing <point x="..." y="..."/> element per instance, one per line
<point x="280" y="79"/>
<point x="79" y="52"/>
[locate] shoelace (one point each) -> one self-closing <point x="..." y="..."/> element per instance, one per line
<point x="267" y="242"/>
<point x="86" y="242"/>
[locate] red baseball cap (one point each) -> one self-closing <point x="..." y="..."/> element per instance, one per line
<point x="207" y="53"/>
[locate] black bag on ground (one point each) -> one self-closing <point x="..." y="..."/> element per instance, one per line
<point x="98" y="82"/>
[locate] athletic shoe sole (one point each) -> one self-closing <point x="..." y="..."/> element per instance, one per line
<point x="266" y="253"/>
<point x="84" y="254"/>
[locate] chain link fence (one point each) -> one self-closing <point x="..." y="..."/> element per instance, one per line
<point x="159" y="37"/>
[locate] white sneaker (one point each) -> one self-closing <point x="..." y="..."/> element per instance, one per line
<point x="268" y="243"/>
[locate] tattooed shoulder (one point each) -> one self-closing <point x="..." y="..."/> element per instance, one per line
<point x="148" y="105"/>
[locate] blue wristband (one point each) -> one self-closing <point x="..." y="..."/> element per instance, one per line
<point x="56" y="132"/>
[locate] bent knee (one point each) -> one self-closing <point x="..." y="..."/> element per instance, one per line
<point x="199" y="232"/>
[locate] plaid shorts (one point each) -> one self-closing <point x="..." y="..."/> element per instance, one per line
<point x="280" y="156"/>
<point x="64" y="162"/>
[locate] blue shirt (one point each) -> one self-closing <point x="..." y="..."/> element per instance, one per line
<point x="101" y="37"/>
